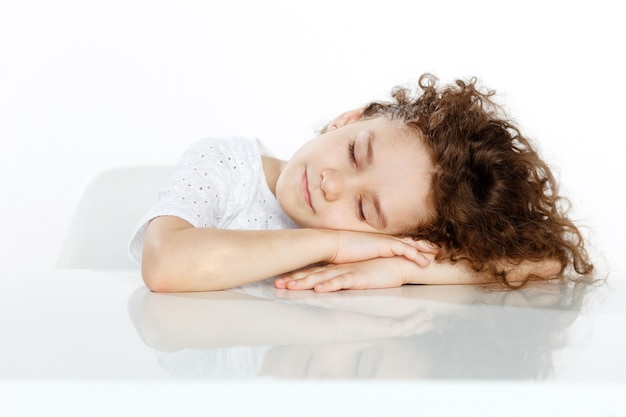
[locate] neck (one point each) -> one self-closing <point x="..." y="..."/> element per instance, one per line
<point x="272" y="168"/>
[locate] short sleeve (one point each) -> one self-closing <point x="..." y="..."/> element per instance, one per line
<point x="200" y="190"/>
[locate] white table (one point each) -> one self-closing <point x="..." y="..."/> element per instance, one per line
<point x="77" y="340"/>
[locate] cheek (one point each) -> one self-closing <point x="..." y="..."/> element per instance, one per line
<point x="339" y="218"/>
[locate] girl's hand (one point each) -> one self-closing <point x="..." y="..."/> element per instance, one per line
<point x="369" y="274"/>
<point x="359" y="246"/>
<point x="343" y="119"/>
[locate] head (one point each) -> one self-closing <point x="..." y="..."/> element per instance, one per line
<point x="372" y="174"/>
<point x="492" y="196"/>
<point x="443" y="164"/>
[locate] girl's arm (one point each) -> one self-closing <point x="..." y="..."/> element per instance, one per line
<point x="394" y="272"/>
<point x="179" y="257"/>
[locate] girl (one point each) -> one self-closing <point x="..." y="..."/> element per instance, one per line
<point x="435" y="188"/>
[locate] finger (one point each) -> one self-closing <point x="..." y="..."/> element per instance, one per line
<point x="281" y="282"/>
<point x="285" y="281"/>
<point x="330" y="285"/>
<point x="309" y="280"/>
<point x="306" y="283"/>
<point x="336" y="123"/>
<point x="345" y="118"/>
<point x="410" y="252"/>
<point x="423" y="245"/>
<point x="340" y="282"/>
<point x="428" y="247"/>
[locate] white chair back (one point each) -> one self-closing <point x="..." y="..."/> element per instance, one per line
<point x="108" y="210"/>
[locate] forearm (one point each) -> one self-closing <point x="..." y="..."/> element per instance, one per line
<point x="183" y="258"/>
<point x="396" y="271"/>
<point x="460" y="272"/>
<point x="444" y="273"/>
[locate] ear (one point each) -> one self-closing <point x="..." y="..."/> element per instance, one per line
<point x="345" y="118"/>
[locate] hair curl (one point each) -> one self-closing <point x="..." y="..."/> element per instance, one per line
<point x="495" y="199"/>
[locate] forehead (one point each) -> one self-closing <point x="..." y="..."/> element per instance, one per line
<point x="401" y="172"/>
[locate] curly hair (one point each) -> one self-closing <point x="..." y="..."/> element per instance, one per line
<point x="495" y="199"/>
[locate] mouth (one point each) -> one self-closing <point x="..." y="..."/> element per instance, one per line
<point x="305" y="190"/>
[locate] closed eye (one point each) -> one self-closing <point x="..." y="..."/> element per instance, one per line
<point x="360" y="211"/>
<point x="359" y="208"/>
<point x="351" y="153"/>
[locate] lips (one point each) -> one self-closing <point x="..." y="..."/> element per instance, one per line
<point x="305" y="189"/>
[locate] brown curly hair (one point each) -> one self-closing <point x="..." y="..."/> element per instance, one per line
<point x="496" y="201"/>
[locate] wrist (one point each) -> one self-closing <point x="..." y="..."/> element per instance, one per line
<point x="329" y="242"/>
<point x="410" y="272"/>
<point x="404" y="269"/>
<point x="323" y="244"/>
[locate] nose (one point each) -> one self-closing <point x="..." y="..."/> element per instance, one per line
<point x="332" y="184"/>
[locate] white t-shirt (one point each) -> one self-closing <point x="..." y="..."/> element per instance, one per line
<point x="218" y="183"/>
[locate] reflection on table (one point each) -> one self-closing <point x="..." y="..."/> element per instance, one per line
<point x="412" y="332"/>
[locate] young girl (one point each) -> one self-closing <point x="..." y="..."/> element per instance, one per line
<point x="435" y="188"/>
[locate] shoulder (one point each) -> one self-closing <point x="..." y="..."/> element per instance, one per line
<point x="221" y="146"/>
<point x="225" y="155"/>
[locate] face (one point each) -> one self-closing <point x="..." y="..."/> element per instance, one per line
<point x="370" y="175"/>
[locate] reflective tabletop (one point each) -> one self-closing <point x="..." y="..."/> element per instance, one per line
<point x="82" y="327"/>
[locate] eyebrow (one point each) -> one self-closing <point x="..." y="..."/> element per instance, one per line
<point x="375" y="199"/>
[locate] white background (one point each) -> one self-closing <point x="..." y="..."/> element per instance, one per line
<point x="88" y="85"/>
